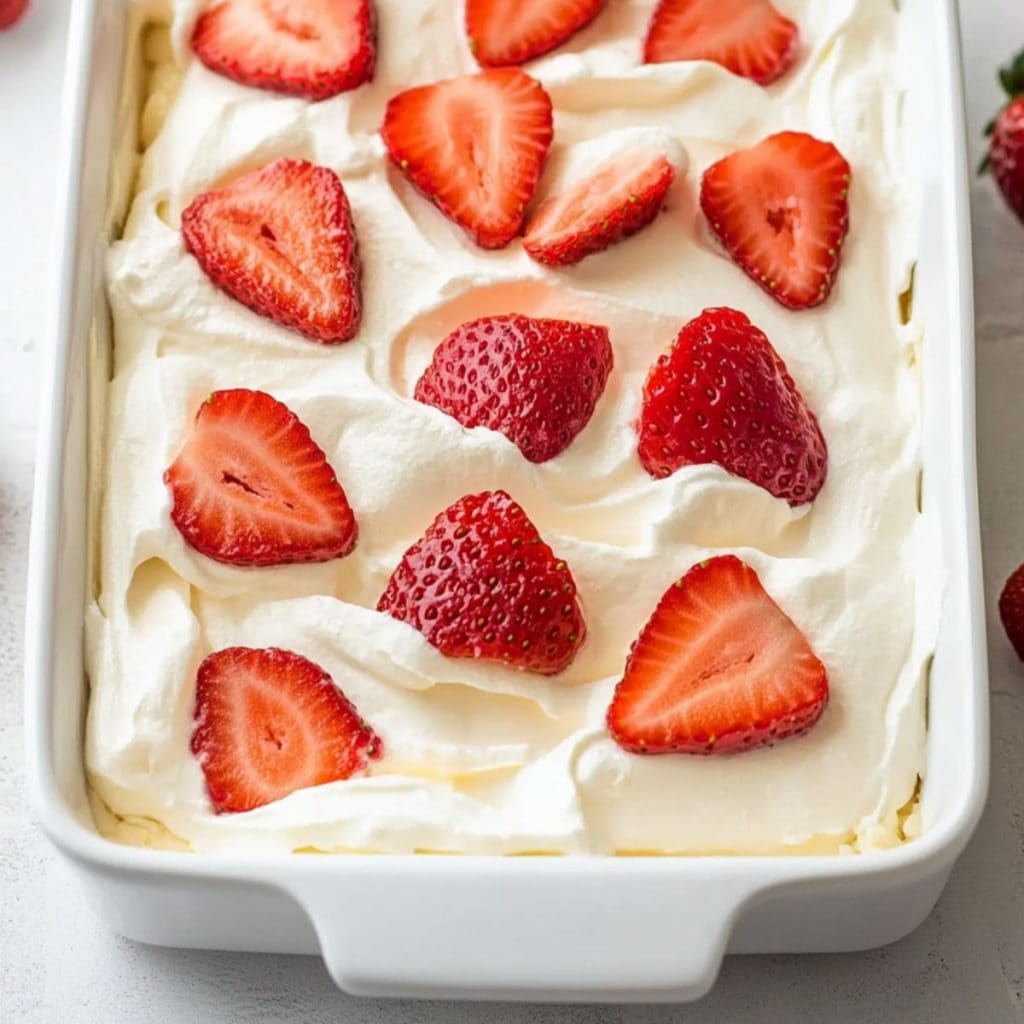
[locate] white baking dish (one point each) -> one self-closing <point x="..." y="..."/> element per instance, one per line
<point x="529" y="928"/>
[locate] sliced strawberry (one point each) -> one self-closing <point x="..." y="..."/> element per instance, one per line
<point x="251" y="487"/>
<point x="481" y="583"/>
<point x="269" y="722"/>
<point x="281" y="241"/>
<point x="310" y="48"/>
<point x="749" y="37"/>
<point x="475" y="146"/>
<point x="615" y="202"/>
<point x="503" y="32"/>
<point x="535" y="381"/>
<point x="722" y="394"/>
<point x="718" y="669"/>
<point x="781" y="208"/>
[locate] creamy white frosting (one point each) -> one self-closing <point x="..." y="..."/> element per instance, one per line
<point x="480" y="758"/>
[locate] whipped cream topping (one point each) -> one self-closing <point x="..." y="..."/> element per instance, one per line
<point x="481" y="758"/>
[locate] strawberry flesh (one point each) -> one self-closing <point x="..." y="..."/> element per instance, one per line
<point x="281" y="241"/>
<point x="310" y="48"/>
<point x="615" y="202"/>
<point x="781" y="209"/>
<point x="723" y="395"/>
<point x="535" y="381"/>
<point x="481" y="583"/>
<point x="268" y="722"/>
<point x="718" y="669"/>
<point x="749" y="37"/>
<point x="475" y="146"/>
<point x="252" y="488"/>
<point x="504" y="32"/>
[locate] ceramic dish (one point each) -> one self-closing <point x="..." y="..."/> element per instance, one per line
<point x="566" y="928"/>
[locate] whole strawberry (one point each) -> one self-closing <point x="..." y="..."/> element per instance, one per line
<point x="11" y="11"/>
<point x="1006" y="143"/>
<point x="1011" y="610"/>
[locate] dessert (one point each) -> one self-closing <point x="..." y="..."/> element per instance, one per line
<point x="483" y="715"/>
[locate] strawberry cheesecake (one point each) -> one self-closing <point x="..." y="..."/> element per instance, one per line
<point x="512" y="437"/>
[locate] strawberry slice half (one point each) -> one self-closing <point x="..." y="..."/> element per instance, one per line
<point x="749" y="37"/>
<point x="781" y="209"/>
<point x="268" y="722"/>
<point x="535" y="381"/>
<point x="252" y="488"/>
<point x="503" y="32"/>
<point x="718" y="669"/>
<point x="723" y="395"/>
<point x="475" y="146"/>
<point x="310" y="48"/>
<point x="613" y="203"/>
<point x="481" y="583"/>
<point x="281" y="241"/>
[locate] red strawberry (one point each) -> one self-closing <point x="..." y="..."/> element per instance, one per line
<point x="615" y="202"/>
<point x="535" y="381"/>
<point x="749" y="37"/>
<point x="269" y="722"/>
<point x="251" y="487"/>
<point x="475" y="146"/>
<point x="310" y="48"/>
<point x="281" y="241"/>
<point x="718" y="669"/>
<point x="11" y="11"/>
<point x="722" y="394"/>
<point x="503" y="32"/>
<point x="781" y="208"/>
<point x="1011" y="610"/>
<point x="1006" y="146"/>
<point x="481" y="583"/>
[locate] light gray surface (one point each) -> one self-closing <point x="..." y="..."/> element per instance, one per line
<point x="58" y="964"/>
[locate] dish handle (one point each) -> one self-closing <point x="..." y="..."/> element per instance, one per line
<point x="465" y="928"/>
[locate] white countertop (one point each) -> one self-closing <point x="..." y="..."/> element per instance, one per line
<point x="58" y="962"/>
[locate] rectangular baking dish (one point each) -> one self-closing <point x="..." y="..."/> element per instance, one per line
<point x="565" y="928"/>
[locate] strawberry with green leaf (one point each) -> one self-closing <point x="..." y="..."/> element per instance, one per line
<point x="1006" y="138"/>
